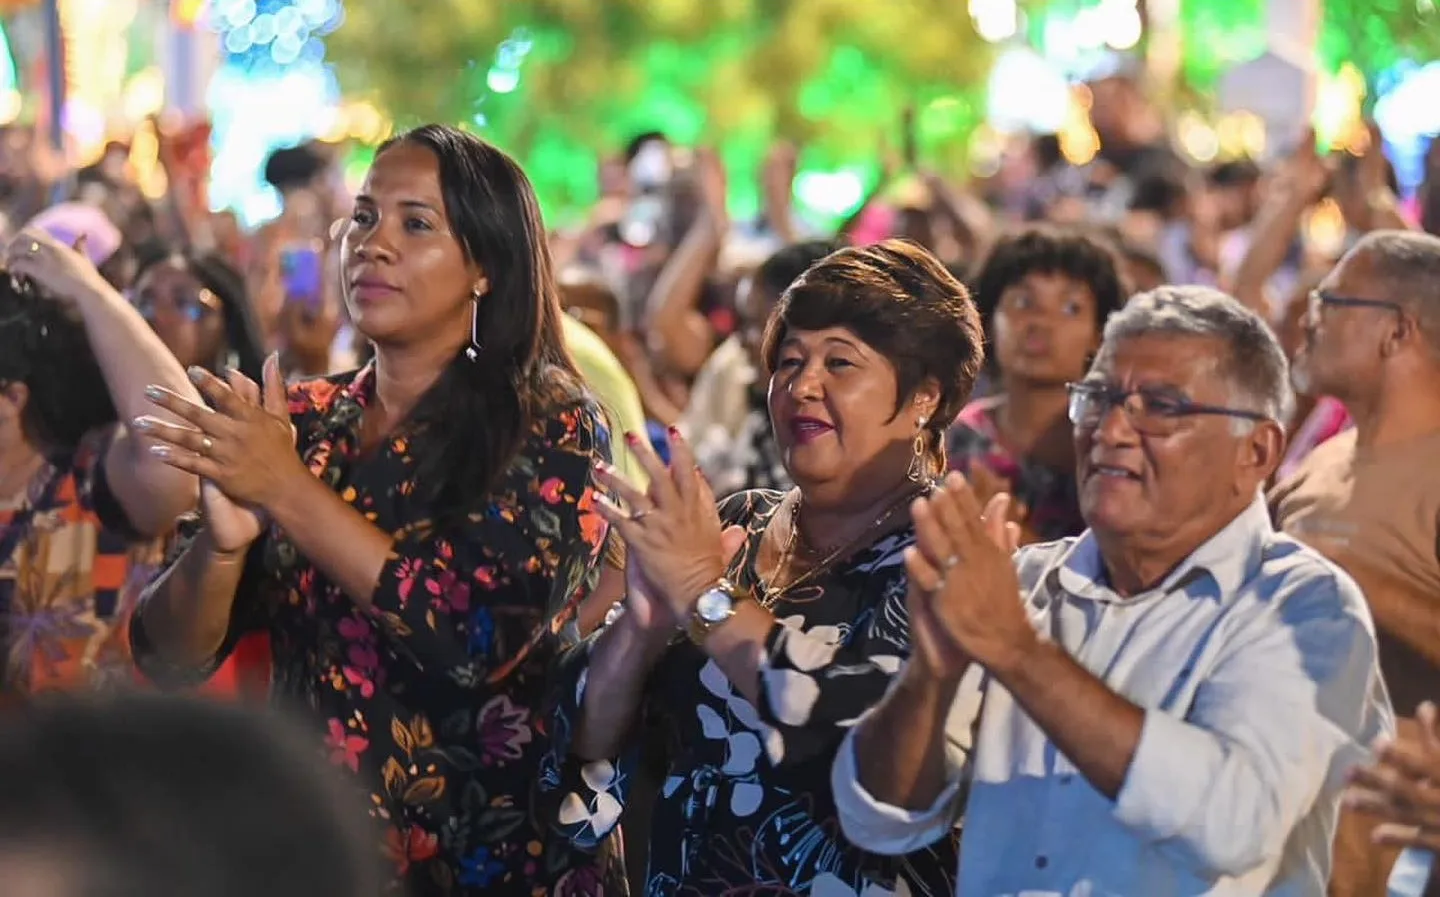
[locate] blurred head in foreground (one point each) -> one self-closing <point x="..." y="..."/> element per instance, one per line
<point x="146" y="796"/>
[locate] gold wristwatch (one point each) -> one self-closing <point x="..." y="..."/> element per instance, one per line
<point x="713" y="608"/>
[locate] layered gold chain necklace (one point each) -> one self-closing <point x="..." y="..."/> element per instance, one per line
<point x="774" y="590"/>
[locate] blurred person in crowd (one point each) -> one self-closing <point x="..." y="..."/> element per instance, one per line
<point x="589" y="323"/>
<point x="1235" y="189"/>
<point x="415" y="537"/>
<point x="1401" y="790"/>
<point x="1141" y="268"/>
<point x="144" y="796"/>
<point x="728" y="417"/>
<point x="81" y="497"/>
<point x="314" y="337"/>
<point x="1044" y="296"/>
<point x="1267" y="274"/>
<point x="1129" y="123"/>
<point x="1428" y="196"/>
<point x="196" y="303"/>
<point x="790" y="598"/>
<point x="1317" y="419"/>
<point x="304" y="176"/>
<point x="1164" y="705"/>
<point x="1369" y="498"/>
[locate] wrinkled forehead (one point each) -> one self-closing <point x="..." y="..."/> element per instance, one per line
<point x="1194" y="365"/>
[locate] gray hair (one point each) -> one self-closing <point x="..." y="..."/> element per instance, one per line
<point x="1406" y="265"/>
<point x="1254" y="364"/>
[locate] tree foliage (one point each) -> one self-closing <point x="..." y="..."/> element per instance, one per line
<point x="833" y="75"/>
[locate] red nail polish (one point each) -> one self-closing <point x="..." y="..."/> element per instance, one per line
<point x="674" y="432"/>
<point x="631" y="439"/>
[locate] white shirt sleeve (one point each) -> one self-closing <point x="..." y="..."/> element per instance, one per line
<point x="880" y="827"/>
<point x="892" y="831"/>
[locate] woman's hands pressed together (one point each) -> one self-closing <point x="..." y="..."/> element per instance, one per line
<point x="243" y="449"/>
<point x="677" y="547"/>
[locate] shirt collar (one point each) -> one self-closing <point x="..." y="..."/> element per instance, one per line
<point x="1217" y="569"/>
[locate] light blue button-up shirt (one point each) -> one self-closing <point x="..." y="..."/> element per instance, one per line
<point x="1255" y="663"/>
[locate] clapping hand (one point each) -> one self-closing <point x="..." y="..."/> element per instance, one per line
<point x="243" y="449"/>
<point x="676" y="546"/>
<point x="1402" y="786"/>
<point x="963" y="591"/>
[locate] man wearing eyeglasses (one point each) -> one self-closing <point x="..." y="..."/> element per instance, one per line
<point x="1369" y="499"/>
<point x="1172" y="704"/>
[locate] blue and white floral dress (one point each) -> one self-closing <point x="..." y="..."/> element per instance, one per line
<point x="746" y="807"/>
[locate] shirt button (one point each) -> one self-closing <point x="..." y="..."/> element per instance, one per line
<point x="1041" y="862"/>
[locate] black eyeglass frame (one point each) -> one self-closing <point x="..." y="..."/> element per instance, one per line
<point x="1160" y="405"/>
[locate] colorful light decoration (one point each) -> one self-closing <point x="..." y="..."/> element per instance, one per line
<point x="273" y="89"/>
<point x="10" y="99"/>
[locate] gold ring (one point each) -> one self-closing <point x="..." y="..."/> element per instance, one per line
<point x="206" y="444"/>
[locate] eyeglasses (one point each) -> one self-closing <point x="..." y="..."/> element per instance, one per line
<point x="1318" y="299"/>
<point x="193" y="308"/>
<point x="1150" y="412"/>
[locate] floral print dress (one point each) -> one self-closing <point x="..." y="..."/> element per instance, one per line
<point x="746" y="807"/>
<point x="429" y="698"/>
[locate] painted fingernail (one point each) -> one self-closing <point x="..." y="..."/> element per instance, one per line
<point x="160" y="451"/>
<point x="154" y="392"/>
<point x="142" y="423"/>
<point x="632" y="439"/>
<point x="673" y="431"/>
<point x="197" y="374"/>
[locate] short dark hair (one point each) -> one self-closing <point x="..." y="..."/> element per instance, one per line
<point x="637" y="143"/>
<point x="140" y="795"/>
<point x="291" y="167"/>
<point x="45" y="347"/>
<point x="1407" y="263"/>
<point x="1040" y="249"/>
<point x="901" y="302"/>
<point x="786" y="264"/>
<point x="1234" y="173"/>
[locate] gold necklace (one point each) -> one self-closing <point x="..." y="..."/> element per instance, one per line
<point x="787" y="553"/>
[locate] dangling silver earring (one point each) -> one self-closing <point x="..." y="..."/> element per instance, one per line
<point x="917" y="471"/>
<point x="472" y="351"/>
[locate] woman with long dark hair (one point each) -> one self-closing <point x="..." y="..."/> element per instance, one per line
<point x="415" y="536"/>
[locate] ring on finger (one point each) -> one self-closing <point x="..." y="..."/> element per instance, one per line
<point x="206" y="444"/>
<point x="640" y="514"/>
<point x="951" y="561"/>
<point x="34" y="247"/>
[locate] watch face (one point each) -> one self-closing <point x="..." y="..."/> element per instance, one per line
<point x="714" y="606"/>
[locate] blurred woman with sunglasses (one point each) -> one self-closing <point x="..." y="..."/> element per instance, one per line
<point x="81" y="498"/>
<point x="196" y="303"/>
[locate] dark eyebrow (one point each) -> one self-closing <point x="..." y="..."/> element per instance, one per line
<point x="404" y="203"/>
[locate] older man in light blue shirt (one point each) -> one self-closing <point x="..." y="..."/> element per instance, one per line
<point x="1172" y="706"/>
